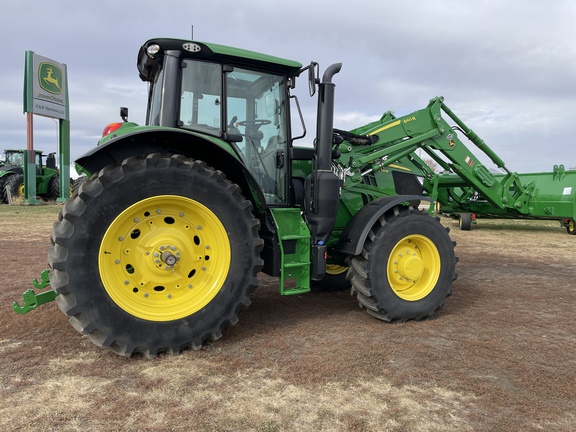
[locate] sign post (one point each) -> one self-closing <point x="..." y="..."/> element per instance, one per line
<point x="46" y="94"/>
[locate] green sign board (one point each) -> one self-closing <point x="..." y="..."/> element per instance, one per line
<point x="46" y="87"/>
<point x="46" y="94"/>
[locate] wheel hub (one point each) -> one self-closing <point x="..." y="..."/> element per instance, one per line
<point x="169" y="259"/>
<point x="413" y="267"/>
<point x="166" y="256"/>
<point x="410" y="265"/>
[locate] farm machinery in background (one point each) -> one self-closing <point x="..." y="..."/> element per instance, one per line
<point x="159" y="250"/>
<point x="12" y="175"/>
<point x="550" y="196"/>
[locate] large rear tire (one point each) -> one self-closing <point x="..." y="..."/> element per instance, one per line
<point x="406" y="267"/>
<point x="156" y="255"/>
<point x="15" y="184"/>
<point x="3" y="198"/>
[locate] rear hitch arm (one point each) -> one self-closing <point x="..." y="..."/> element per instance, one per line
<point x="32" y="300"/>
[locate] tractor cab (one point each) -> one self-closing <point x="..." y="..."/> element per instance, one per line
<point x="238" y="97"/>
<point x="14" y="160"/>
<point x="14" y="157"/>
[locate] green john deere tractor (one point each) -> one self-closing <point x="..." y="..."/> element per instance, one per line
<point x="12" y="175"/>
<point x="160" y="249"/>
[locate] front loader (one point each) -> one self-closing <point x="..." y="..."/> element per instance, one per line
<point x="159" y="250"/>
<point x="466" y="186"/>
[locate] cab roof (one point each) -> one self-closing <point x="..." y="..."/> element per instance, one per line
<point x="147" y="62"/>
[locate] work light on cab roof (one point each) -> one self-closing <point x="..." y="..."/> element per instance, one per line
<point x="152" y="50"/>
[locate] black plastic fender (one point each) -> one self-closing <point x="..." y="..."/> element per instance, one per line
<point x="354" y="235"/>
<point x="189" y="144"/>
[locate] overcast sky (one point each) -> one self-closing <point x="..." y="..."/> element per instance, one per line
<point x="506" y="67"/>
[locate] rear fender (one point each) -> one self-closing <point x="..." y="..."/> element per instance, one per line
<point x="355" y="233"/>
<point x="163" y="141"/>
<point x="11" y="170"/>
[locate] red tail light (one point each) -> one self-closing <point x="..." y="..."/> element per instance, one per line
<point x="111" y="128"/>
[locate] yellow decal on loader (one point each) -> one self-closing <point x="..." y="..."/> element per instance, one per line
<point x="388" y="126"/>
<point x="400" y="167"/>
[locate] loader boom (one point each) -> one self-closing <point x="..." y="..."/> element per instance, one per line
<point x="427" y="129"/>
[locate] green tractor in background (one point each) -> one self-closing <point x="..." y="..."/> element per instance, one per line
<point x="12" y="176"/>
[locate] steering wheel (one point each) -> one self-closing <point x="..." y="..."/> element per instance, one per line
<point x="257" y="123"/>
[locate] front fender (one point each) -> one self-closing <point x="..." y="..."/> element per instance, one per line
<point x="355" y="233"/>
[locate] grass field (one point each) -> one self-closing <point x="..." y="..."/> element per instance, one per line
<point x="501" y="356"/>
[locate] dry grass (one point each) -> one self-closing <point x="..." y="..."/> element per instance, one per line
<point x="501" y="356"/>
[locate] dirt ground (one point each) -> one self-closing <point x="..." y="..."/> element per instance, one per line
<point x="501" y="356"/>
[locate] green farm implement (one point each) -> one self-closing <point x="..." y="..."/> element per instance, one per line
<point x="548" y="196"/>
<point x="160" y="248"/>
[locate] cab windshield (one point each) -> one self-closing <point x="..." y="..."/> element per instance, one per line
<point x="244" y="107"/>
<point x="14" y="158"/>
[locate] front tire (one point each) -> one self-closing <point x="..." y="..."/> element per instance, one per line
<point x="156" y="255"/>
<point x="406" y="267"/>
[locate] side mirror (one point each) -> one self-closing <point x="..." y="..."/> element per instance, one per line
<point x="313" y="77"/>
<point x="313" y="80"/>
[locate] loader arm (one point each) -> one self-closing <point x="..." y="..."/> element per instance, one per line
<point x="428" y="130"/>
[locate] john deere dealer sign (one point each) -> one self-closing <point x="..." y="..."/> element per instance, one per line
<point x="46" y="87"/>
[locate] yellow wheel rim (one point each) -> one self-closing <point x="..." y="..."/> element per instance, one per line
<point x="20" y="190"/>
<point x="164" y="258"/>
<point x="413" y="267"/>
<point x="571" y="226"/>
<point x="335" y="269"/>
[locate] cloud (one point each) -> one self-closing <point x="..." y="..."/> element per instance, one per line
<point x="505" y="67"/>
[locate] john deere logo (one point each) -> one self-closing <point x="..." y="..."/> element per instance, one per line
<point x="50" y="78"/>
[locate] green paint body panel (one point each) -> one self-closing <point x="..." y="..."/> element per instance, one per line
<point x="131" y="128"/>
<point x="252" y="56"/>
